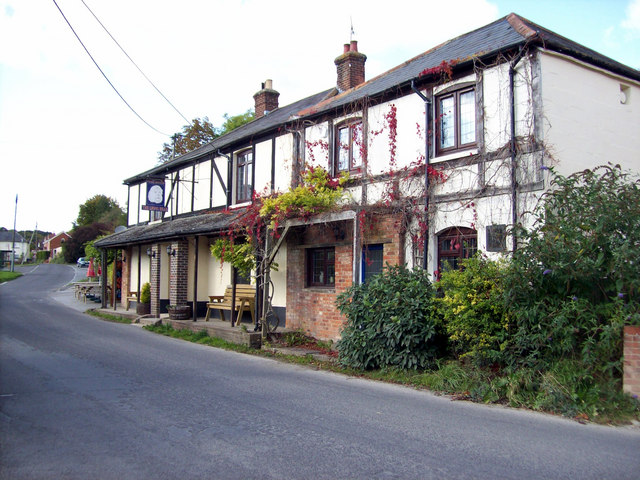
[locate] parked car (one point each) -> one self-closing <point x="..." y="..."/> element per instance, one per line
<point x="82" y="262"/>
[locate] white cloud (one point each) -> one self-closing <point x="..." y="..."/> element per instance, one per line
<point x="68" y="135"/>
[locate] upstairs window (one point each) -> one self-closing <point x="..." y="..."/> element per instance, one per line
<point x="348" y="148"/>
<point x="244" y="176"/>
<point x="456" y="120"/>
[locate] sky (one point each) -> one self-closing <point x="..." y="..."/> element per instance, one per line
<point x="66" y="135"/>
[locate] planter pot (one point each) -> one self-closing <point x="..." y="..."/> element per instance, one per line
<point x="179" y="312"/>
<point x="143" y="308"/>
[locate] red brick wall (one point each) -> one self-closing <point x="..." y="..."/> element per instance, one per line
<point x="178" y="273"/>
<point x="631" y="379"/>
<point x="155" y="281"/>
<point x="350" y="69"/>
<point x="313" y="309"/>
<point x="126" y="274"/>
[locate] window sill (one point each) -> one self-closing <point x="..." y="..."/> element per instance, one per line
<point x="321" y="289"/>
<point x="455" y="155"/>
<point x="240" y="205"/>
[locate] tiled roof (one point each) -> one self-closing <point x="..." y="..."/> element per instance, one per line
<point x="506" y="34"/>
<point x="201" y="224"/>
<point x="7" y="236"/>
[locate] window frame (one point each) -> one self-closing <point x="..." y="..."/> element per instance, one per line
<point x="467" y="241"/>
<point x="371" y="250"/>
<point x="350" y="125"/>
<point x="455" y="94"/>
<point x="244" y="168"/>
<point x="496" y="238"/>
<point x="310" y="257"/>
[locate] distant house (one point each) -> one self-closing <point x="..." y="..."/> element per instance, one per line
<point x="445" y="152"/>
<point x="10" y="243"/>
<point x="53" y="243"/>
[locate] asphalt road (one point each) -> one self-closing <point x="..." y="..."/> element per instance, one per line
<point x="84" y="398"/>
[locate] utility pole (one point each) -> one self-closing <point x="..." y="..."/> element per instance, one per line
<point x="13" y="240"/>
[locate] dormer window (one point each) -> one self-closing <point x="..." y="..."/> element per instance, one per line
<point x="244" y="176"/>
<point x="456" y="120"/>
<point x="349" y="147"/>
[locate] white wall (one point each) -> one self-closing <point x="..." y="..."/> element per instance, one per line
<point x="586" y="125"/>
<point x="284" y="162"/>
<point x="219" y="197"/>
<point x="133" y="208"/>
<point x="202" y="185"/>
<point x="262" y="166"/>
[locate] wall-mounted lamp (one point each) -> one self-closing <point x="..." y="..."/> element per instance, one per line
<point x="170" y="251"/>
<point x="151" y="253"/>
<point x="338" y="232"/>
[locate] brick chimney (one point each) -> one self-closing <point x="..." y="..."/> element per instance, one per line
<point x="350" y="67"/>
<point x="266" y="99"/>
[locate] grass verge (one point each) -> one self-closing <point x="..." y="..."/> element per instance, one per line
<point x="6" y="276"/>
<point x="565" y="389"/>
<point x="109" y="318"/>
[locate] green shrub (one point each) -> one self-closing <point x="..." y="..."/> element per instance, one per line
<point x="472" y="310"/>
<point x="390" y="321"/>
<point x="42" y="256"/>
<point x="574" y="283"/>
<point x="145" y="293"/>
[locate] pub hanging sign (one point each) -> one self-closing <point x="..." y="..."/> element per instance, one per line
<point x="155" y="195"/>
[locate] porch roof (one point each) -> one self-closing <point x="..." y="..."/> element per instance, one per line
<point x="168" y="229"/>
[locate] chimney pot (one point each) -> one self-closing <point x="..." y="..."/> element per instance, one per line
<point x="350" y="67"/>
<point x="266" y="100"/>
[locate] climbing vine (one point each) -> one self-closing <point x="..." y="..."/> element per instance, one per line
<point x="317" y="193"/>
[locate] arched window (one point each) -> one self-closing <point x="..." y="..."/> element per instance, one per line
<point x="455" y="244"/>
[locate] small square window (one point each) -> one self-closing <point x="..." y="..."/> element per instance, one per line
<point x="496" y="238"/>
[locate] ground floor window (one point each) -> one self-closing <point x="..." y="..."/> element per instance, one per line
<point x="321" y="269"/>
<point x="455" y="244"/>
<point x="372" y="261"/>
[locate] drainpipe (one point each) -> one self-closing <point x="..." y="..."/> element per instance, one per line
<point x="427" y="118"/>
<point x="512" y="146"/>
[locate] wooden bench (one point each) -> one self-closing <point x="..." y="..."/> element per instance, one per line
<point x="131" y="297"/>
<point x="245" y="300"/>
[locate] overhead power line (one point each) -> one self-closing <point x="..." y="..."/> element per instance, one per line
<point x="105" y="76"/>
<point x="135" y="65"/>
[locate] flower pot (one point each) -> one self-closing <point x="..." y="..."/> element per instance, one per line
<point x="143" y="308"/>
<point x="179" y="312"/>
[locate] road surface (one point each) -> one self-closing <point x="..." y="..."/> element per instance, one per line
<point x="84" y="398"/>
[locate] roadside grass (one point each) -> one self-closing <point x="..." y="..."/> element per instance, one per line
<point x="109" y="318"/>
<point x="6" y="276"/>
<point x="564" y="389"/>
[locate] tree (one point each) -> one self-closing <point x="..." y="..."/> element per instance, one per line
<point x="235" y="121"/>
<point x="199" y="133"/>
<point x="74" y="247"/>
<point x="100" y="209"/>
<point x="575" y="283"/>
<point x="192" y="136"/>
